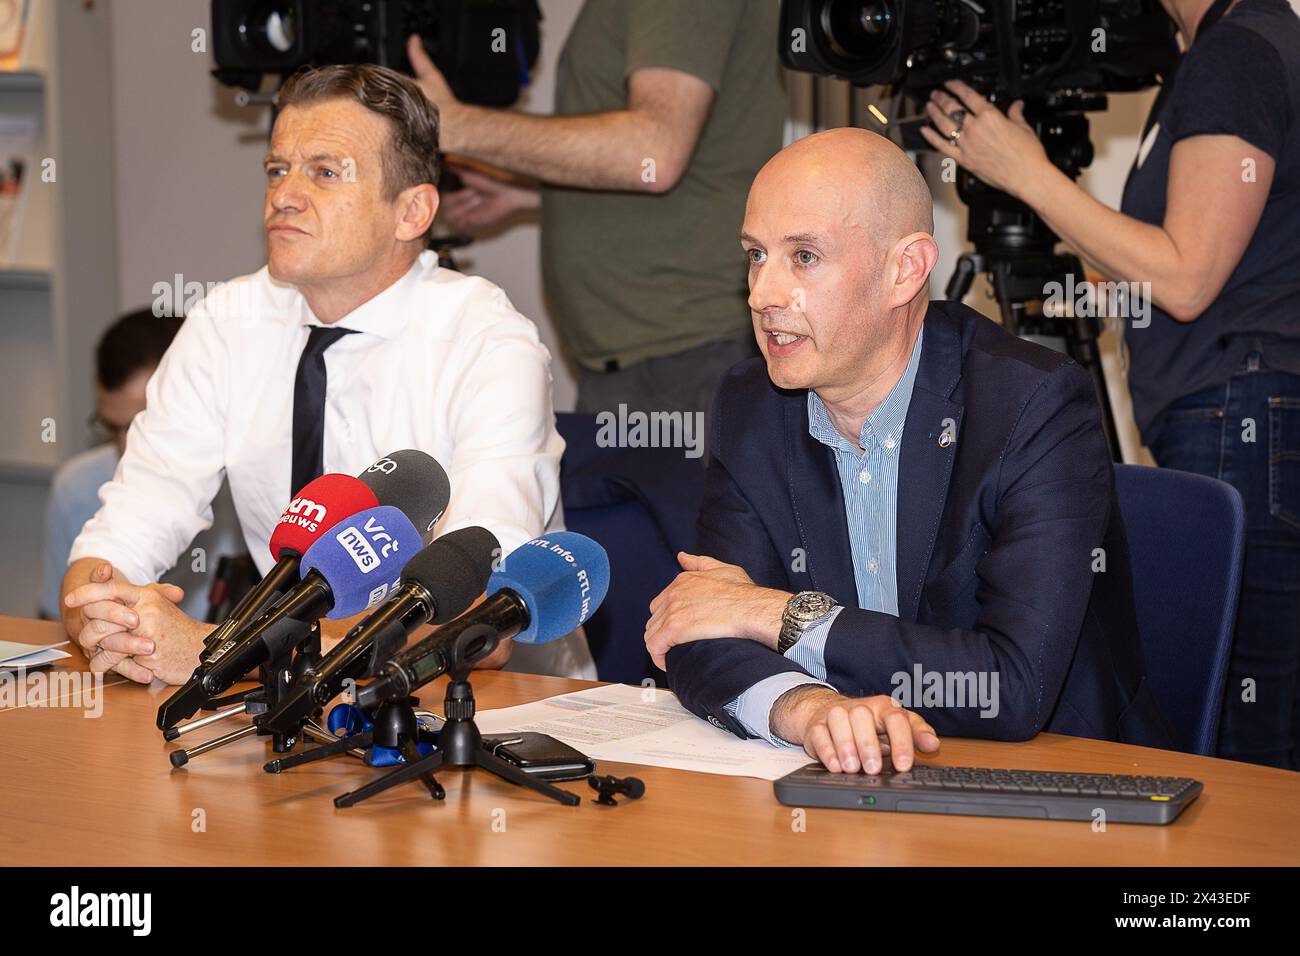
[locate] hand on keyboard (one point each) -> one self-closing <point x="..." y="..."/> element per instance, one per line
<point x="848" y="734"/>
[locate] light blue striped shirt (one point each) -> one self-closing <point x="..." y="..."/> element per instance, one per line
<point x="869" y="482"/>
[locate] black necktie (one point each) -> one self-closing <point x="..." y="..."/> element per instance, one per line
<point x="309" y="407"/>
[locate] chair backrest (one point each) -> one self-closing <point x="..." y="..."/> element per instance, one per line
<point x="1186" y="537"/>
<point x="599" y="502"/>
<point x="640" y="566"/>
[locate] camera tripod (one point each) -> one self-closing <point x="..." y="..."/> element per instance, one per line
<point x="1017" y="249"/>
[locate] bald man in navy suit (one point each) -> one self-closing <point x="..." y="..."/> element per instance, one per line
<point x="910" y="525"/>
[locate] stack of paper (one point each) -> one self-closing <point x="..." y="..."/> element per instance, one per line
<point x="27" y="656"/>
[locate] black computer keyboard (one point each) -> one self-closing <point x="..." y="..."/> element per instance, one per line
<point x="978" y="791"/>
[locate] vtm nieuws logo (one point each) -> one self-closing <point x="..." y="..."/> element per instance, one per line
<point x="305" y="513"/>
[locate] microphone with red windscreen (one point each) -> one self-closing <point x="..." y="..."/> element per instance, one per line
<point x="409" y="480"/>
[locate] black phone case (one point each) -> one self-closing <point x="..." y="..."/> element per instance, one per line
<point x="541" y="755"/>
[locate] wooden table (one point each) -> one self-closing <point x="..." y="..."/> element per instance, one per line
<point x="86" y="792"/>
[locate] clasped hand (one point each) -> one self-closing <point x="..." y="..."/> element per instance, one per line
<point x="136" y="630"/>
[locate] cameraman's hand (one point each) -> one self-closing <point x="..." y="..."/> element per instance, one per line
<point x="484" y="201"/>
<point x="1002" y="151"/>
<point x="438" y="90"/>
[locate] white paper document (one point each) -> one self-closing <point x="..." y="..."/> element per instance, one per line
<point x="14" y="656"/>
<point x="643" y="725"/>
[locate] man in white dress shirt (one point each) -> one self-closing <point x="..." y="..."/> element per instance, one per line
<point x="431" y="359"/>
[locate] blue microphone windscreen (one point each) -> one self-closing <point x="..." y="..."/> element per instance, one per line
<point x="562" y="577"/>
<point x="362" y="558"/>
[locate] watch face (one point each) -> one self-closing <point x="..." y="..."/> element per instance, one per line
<point x="810" y="605"/>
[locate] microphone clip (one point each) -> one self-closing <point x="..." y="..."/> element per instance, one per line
<point x="607" y="786"/>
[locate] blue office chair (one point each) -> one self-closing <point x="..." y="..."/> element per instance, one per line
<point x="640" y="505"/>
<point x="1186" y="536"/>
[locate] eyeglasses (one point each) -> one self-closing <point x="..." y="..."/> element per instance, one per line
<point x="105" y="431"/>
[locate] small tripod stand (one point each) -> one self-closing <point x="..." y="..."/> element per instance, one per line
<point x="460" y="744"/>
<point x="395" y="726"/>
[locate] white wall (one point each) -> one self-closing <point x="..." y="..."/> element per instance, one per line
<point x="188" y="161"/>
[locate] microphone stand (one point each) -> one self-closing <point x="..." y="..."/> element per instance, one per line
<point x="222" y="708"/>
<point x="200" y="722"/>
<point x="275" y="677"/>
<point x="460" y="744"/>
<point x="394" y="725"/>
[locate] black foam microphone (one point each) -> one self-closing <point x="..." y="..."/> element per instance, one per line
<point x="413" y="481"/>
<point x="438" y="584"/>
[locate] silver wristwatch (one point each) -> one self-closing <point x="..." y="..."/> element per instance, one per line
<point x="801" y="612"/>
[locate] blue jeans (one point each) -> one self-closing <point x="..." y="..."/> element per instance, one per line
<point x="1211" y="433"/>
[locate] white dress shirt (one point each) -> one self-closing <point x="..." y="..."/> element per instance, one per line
<point x="443" y="364"/>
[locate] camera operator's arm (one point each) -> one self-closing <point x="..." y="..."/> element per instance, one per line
<point x="1186" y="263"/>
<point x="666" y="111"/>
<point x="674" y="56"/>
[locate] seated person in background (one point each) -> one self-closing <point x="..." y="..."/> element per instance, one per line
<point x="938" y="492"/>
<point x="263" y="386"/>
<point x="127" y="354"/>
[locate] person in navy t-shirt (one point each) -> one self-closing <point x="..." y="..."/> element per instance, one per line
<point x="1211" y="220"/>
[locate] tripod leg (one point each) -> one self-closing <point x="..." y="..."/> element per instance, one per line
<point x="963" y="274"/>
<point x="340" y="746"/>
<point x="1081" y="344"/>
<point x="180" y="758"/>
<point x="179" y="729"/>
<point x="401" y="775"/>
<point x="494" y="764"/>
<point x="237" y="697"/>
<point x="412" y="754"/>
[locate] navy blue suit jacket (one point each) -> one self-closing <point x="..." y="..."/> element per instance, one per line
<point x="997" y="539"/>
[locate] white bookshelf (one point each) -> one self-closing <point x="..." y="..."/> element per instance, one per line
<point x="59" y="288"/>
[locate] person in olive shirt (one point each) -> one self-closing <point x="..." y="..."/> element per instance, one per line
<point x="665" y="110"/>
